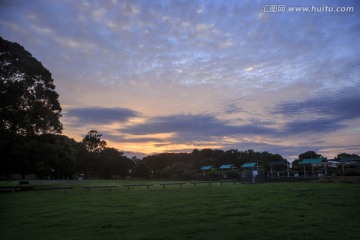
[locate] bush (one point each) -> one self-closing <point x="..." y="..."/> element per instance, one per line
<point x="188" y="174"/>
<point x="350" y="172"/>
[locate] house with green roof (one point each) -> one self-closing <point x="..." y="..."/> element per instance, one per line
<point x="249" y="165"/>
<point x="315" y="163"/>
<point x="279" y="166"/>
<point x="353" y="160"/>
<point x="225" y="168"/>
<point x="206" y="169"/>
<point x="251" y="172"/>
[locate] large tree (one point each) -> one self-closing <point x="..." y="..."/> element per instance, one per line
<point x="51" y="155"/>
<point x="29" y="104"/>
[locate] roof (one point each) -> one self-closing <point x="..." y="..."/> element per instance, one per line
<point x="250" y="164"/>
<point x="206" y="167"/>
<point x="350" y="159"/>
<point x="312" y="161"/>
<point x="227" y="166"/>
<point x="278" y="163"/>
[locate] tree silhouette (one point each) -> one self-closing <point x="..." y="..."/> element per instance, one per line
<point x="93" y="141"/>
<point x="29" y="104"/>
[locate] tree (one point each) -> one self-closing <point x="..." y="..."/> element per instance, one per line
<point x="309" y="155"/>
<point x="141" y="170"/>
<point x="93" y="141"/>
<point x="29" y="104"/>
<point x="345" y="155"/>
<point x="56" y="154"/>
<point x="47" y="155"/>
<point x="82" y="159"/>
<point x="181" y="170"/>
<point x="112" y="163"/>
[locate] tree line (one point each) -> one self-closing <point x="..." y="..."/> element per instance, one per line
<point x="55" y="156"/>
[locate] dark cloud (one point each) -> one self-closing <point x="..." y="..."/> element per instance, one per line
<point x="321" y="114"/>
<point x="321" y="125"/>
<point x="100" y="115"/>
<point x="342" y="105"/>
<point x="121" y="138"/>
<point x="194" y="127"/>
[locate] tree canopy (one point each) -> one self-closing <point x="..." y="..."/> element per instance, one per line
<point x="29" y="104"/>
<point x="308" y="155"/>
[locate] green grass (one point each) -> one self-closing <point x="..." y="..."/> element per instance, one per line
<point x="242" y="211"/>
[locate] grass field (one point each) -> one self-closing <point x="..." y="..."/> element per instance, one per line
<point x="241" y="211"/>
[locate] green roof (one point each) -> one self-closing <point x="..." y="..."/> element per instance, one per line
<point x="228" y="166"/>
<point x="206" y="167"/>
<point x="350" y="159"/>
<point x="312" y="161"/>
<point x="251" y="164"/>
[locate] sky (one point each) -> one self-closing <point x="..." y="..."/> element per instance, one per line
<point x="171" y="76"/>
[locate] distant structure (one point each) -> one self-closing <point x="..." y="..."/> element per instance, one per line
<point x="250" y="173"/>
<point x="206" y="168"/>
<point x="224" y="168"/>
<point x="316" y="164"/>
<point x="279" y="166"/>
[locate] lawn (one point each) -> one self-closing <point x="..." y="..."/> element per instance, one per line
<point x="241" y="211"/>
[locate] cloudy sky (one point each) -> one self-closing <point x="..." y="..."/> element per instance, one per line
<point x="170" y="76"/>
